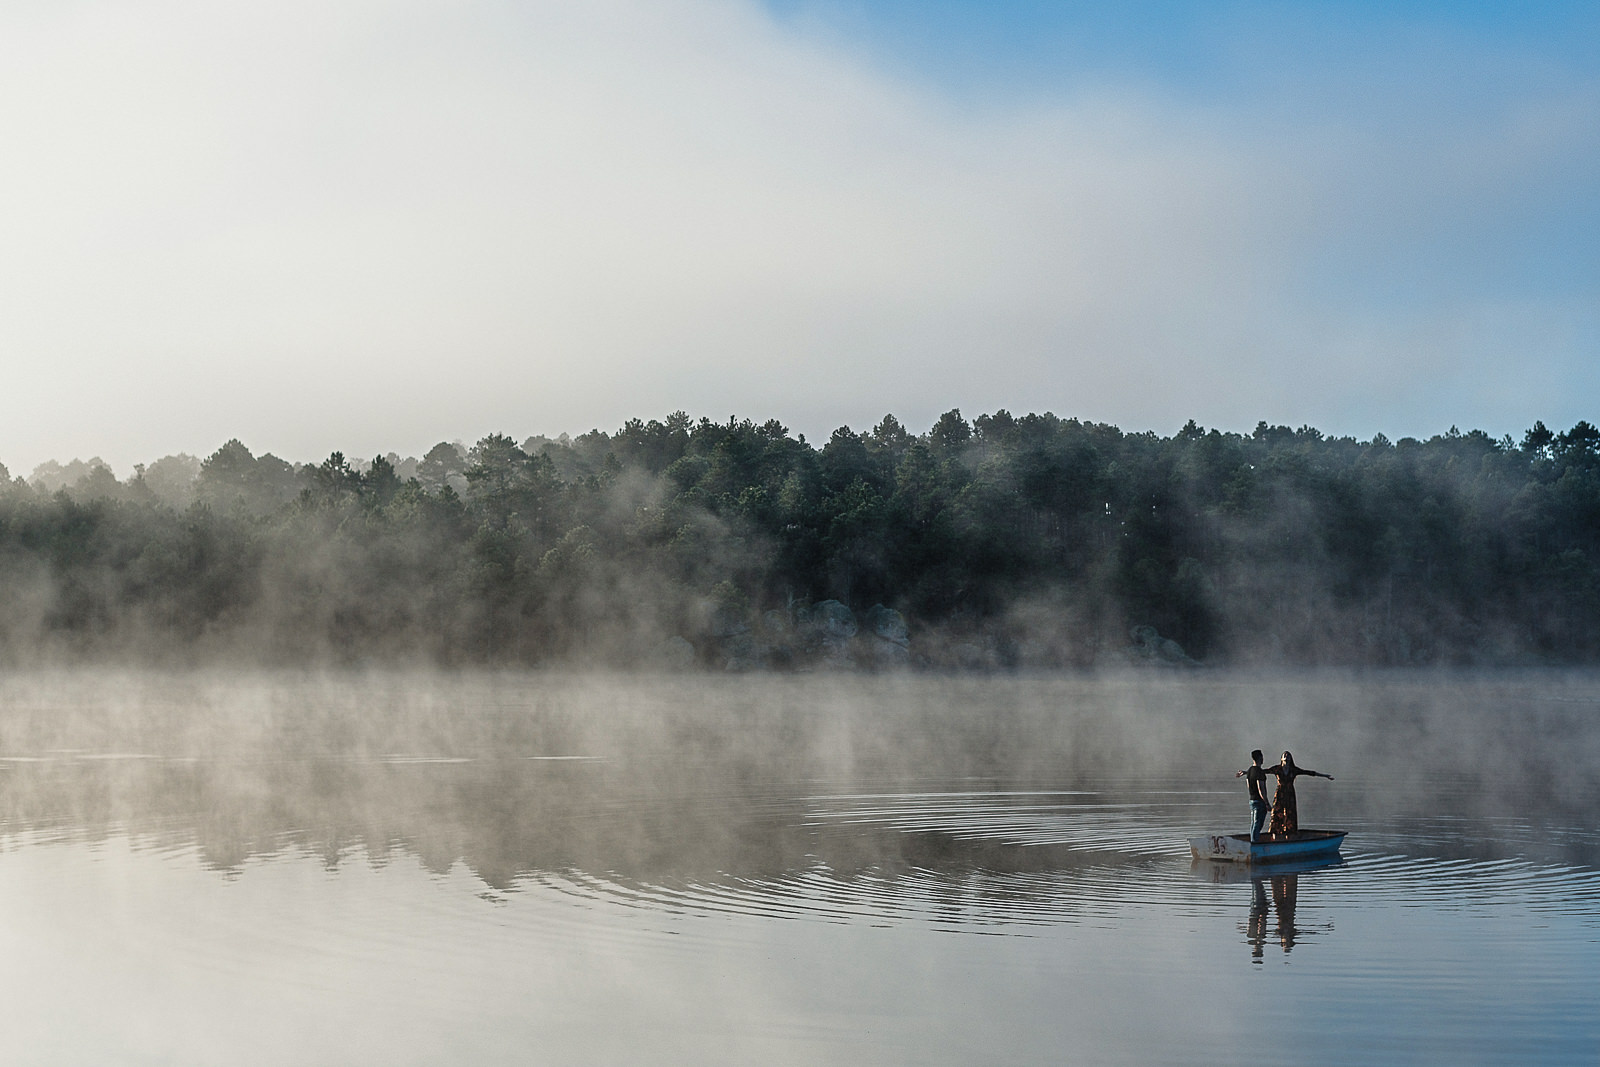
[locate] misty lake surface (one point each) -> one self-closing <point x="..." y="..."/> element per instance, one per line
<point x="479" y="868"/>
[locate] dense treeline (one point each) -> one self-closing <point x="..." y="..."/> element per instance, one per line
<point x="1000" y="541"/>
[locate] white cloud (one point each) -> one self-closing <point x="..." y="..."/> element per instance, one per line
<point x="369" y="226"/>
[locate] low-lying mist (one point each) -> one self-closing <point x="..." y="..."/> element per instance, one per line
<point x="655" y="776"/>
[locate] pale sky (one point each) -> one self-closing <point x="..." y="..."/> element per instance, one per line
<point x="370" y="226"/>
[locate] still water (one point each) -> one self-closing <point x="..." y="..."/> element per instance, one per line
<point x="518" y="868"/>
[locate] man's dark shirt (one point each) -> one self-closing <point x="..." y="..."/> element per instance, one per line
<point x="1256" y="778"/>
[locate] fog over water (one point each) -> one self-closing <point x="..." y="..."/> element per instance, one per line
<point x="343" y="759"/>
<point x="432" y="867"/>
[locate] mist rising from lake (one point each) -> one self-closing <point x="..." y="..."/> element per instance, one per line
<point x="783" y="869"/>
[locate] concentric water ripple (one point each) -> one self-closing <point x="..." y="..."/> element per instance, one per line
<point x="994" y="861"/>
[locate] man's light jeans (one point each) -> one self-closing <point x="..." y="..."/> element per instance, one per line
<point x="1258" y="818"/>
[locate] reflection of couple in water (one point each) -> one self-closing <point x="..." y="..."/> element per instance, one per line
<point x="1285" y="814"/>
<point x="1285" y="890"/>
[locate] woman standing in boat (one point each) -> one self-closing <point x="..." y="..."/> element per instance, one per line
<point x="1285" y="815"/>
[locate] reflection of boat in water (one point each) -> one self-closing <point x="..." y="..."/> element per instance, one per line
<point x="1271" y="848"/>
<point x="1240" y="873"/>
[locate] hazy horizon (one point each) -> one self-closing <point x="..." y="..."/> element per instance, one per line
<point x="370" y="227"/>
<point x="126" y="471"/>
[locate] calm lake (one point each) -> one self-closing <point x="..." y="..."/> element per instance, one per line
<point x="480" y="868"/>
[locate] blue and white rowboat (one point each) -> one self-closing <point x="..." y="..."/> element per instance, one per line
<point x="1272" y="848"/>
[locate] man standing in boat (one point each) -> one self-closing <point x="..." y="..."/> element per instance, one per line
<point x="1255" y="777"/>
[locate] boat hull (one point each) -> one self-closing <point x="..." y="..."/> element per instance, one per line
<point x="1274" y="848"/>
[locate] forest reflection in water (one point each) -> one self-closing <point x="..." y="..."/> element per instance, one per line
<point x="794" y="831"/>
<point x="683" y="835"/>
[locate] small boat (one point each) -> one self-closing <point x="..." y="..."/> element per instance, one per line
<point x="1271" y="848"/>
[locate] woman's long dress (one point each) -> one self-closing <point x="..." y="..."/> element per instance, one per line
<point x="1285" y="814"/>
